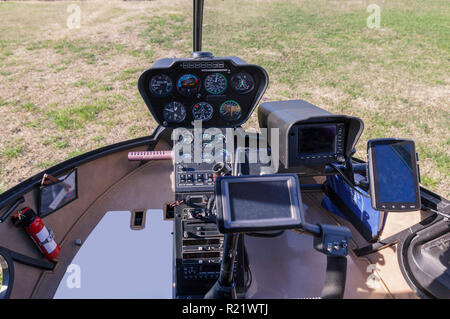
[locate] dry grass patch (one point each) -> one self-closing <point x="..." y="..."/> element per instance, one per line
<point x="64" y="92"/>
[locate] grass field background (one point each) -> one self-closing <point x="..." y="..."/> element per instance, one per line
<point x="67" y="91"/>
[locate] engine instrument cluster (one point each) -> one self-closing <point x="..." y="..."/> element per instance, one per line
<point x="219" y="92"/>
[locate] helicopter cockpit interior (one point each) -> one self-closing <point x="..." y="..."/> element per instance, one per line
<point x="250" y="210"/>
<point x="228" y="182"/>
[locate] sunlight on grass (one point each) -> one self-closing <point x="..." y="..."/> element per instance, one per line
<point x="12" y="152"/>
<point x="76" y="117"/>
<point x="84" y="82"/>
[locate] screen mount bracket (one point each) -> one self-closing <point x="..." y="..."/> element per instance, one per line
<point x="333" y="241"/>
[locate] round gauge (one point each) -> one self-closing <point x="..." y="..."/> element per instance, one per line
<point x="215" y="83"/>
<point x="230" y="110"/>
<point x="242" y="82"/>
<point x="188" y="84"/>
<point x="202" y="111"/>
<point x="161" y="85"/>
<point x="174" y="112"/>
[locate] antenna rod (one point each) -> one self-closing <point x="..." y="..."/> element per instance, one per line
<point x="198" y="23"/>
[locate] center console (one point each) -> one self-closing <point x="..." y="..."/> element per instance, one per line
<point x="198" y="252"/>
<point x="198" y="244"/>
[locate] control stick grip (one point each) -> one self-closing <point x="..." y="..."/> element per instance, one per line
<point x="150" y="155"/>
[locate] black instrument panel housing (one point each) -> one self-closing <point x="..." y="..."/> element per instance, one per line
<point x="201" y="67"/>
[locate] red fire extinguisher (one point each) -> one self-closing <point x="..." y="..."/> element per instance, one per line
<point x="41" y="235"/>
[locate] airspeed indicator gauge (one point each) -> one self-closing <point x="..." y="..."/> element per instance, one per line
<point x="215" y="83"/>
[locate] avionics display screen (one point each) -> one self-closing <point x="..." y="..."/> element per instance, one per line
<point x="317" y="139"/>
<point x="259" y="202"/>
<point x="396" y="182"/>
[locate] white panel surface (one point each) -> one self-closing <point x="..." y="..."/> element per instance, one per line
<point x="118" y="262"/>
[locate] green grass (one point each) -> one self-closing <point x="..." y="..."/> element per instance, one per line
<point x="29" y="106"/>
<point x="45" y="164"/>
<point x="93" y="85"/>
<point x="76" y="117"/>
<point x="428" y="181"/>
<point x="98" y="139"/>
<point x="84" y="83"/>
<point x="442" y="160"/>
<point x="167" y="31"/>
<point x="58" y="142"/>
<point x="12" y="152"/>
<point x="75" y="153"/>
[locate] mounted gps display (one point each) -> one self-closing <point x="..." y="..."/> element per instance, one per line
<point x="258" y="203"/>
<point x="393" y="175"/>
<point x="321" y="141"/>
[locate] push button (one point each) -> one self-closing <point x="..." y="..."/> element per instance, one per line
<point x="199" y="178"/>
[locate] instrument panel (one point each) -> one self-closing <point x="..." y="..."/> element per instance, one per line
<point x="219" y="92"/>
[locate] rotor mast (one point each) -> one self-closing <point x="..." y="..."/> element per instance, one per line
<point x="197" y="31"/>
<point x="198" y="24"/>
